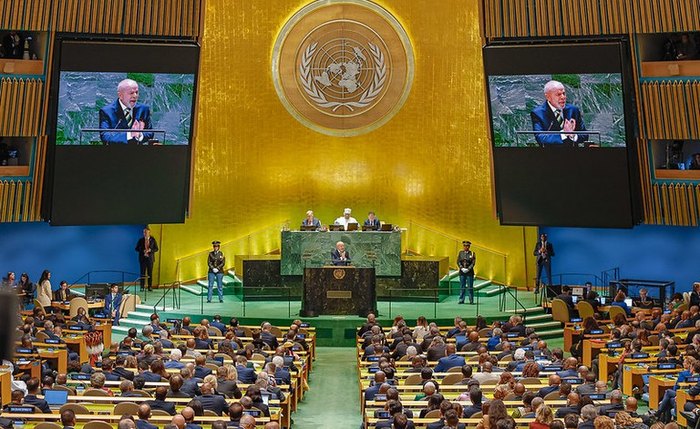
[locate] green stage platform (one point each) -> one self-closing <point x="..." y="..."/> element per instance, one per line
<point x="340" y="330"/>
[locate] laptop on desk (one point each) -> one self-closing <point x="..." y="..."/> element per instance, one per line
<point x="369" y="227"/>
<point x="352" y="226"/>
<point x="55" y="398"/>
<point x="387" y="227"/>
<point x="336" y="228"/>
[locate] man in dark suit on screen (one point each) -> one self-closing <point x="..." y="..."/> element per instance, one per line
<point x="555" y="115"/>
<point x="125" y="113"/>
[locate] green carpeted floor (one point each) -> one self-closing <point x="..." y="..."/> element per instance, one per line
<point x="333" y="400"/>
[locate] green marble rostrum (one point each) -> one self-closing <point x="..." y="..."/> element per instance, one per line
<point x="381" y="250"/>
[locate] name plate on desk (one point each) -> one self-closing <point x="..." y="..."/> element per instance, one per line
<point x="339" y="294"/>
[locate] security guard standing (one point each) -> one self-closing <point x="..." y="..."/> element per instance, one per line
<point x="216" y="262"/>
<point x="466" y="259"/>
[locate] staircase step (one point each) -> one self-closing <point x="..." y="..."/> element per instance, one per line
<point x="194" y="289"/>
<point x="494" y="291"/>
<point x="541" y="325"/>
<point x="552" y="333"/>
<point x="145" y="315"/>
<point x="544" y="317"/>
<point x="530" y="310"/>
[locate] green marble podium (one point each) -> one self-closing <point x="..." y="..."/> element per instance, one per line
<point x="368" y="249"/>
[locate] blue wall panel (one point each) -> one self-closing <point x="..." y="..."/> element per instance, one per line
<point x="68" y="251"/>
<point x="645" y="252"/>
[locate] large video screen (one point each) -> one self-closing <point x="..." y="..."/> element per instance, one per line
<point x="121" y="126"/>
<point x="562" y="125"/>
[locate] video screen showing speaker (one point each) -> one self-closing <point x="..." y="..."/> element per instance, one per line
<point x="562" y="129"/>
<point x="121" y="122"/>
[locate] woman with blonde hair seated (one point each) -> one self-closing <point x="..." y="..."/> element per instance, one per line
<point x="603" y="422"/>
<point x="543" y="418"/>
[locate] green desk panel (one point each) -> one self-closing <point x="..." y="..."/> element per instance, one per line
<point x="317" y="247"/>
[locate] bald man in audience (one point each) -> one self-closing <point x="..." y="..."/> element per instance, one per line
<point x="450" y="360"/>
<point x="179" y="421"/>
<point x="572" y="406"/>
<point x="486" y="374"/>
<point x="272" y="425"/>
<point x="247" y="422"/>
<point x="210" y="401"/>
<point x="614" y="406"/>
<point x="188" y="414"/>
<point x="144" y="414"/>
<point x="554" y="383"/>
<point x="126" y="424"/>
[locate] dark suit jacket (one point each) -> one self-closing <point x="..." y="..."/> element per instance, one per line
<point x="143" y="424"/>
<point x="112" y="118"/>
<point x="215" y="403"/>
<point x="246" y="375"/>
<point x="567" y="299"/>
<point x="168" y="407"/>
<point x="201" y="371"/>
<point x="269" y="339"/>
<point x="149" y="376"/>
<point x="610" y="409"/>
<point x="471" y="410"/>
<point x="543" y="119"/>
<point x="39" y="403"/>
<point x="563" y="411"/>
<point x="387" y="424"/>
<point x="153" y="245"/>
<point x="111" y="376"/>
<point x="284" y="375"/>
<point x="58" y="295"/>
<point x="190" y="387"/>
<point x="228" y="388"/>
<point x="546" y="391"/>
<point x="124" y="373"/>
<point x="335" y="258"/>
<point x="374" y="223"/>
<point x="550" y="252"/>
<point x="448" y="362"/>
<point x="113" y="304"/>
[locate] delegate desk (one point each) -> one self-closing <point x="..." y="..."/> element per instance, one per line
<point x="339" y="290"/>
<point x="368" y="249"/>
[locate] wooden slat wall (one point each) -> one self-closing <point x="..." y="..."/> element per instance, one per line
<point x="530" y="18"/>
<point x="137" y="17"/>
<point x="28" y="15"/>
<point x="21" y="103"/>
<point x="675" y="204"/>
<point x="671" y="109"/>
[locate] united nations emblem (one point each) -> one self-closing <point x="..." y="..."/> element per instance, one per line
<point x="339" y="274"/>
<point x="343" y="67"/>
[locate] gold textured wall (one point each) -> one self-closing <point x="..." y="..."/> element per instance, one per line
<point x="255" y="165"/>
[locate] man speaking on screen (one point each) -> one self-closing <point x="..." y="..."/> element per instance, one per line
<point x="125" y="113"/>
<point x="555" y="115"/>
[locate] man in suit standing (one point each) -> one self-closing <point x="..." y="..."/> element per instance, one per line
<point x="146" y="248"/>
<point x="466" y="259"/>
<point x="216" y="262"/>
<point x="555" y="115"/>
<point x="372" y="221"/>
<point x="340" y="256"/>
<point x="113" y="301"/>
<point x="544" y="251"/>
<point x="125" y="113"/>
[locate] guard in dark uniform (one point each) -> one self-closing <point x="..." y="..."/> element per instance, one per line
<point x="216" y="262"/>
<point x="146" y="247"/>
<point x="466" y="259"/>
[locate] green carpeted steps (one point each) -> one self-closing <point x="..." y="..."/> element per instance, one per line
<point x="482" y="287"/>
<point x="542" y="322"/>
<point x="232" y="285"/>
<point x="136" y="319"/>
